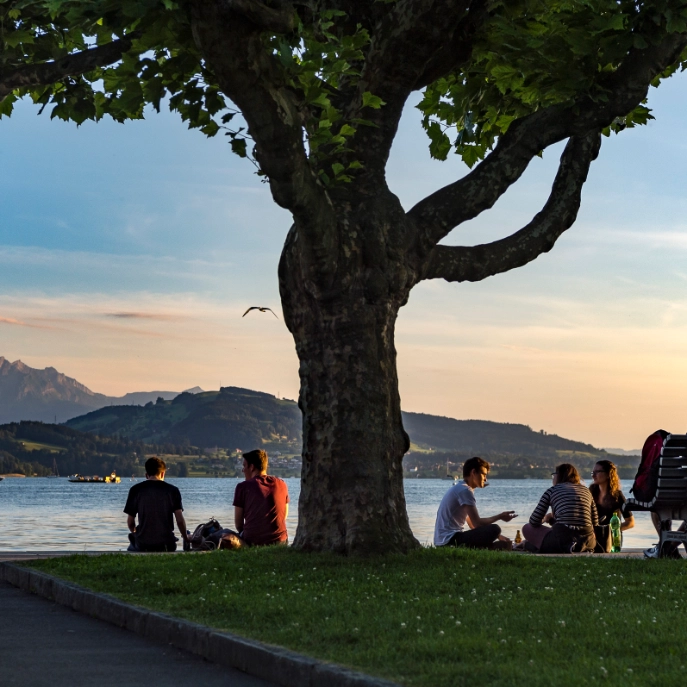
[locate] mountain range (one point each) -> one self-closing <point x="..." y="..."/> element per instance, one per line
<point x="235" y="417"/>
<point x="47" y="395"/>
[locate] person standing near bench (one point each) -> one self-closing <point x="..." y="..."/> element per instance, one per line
<point x="459" y="506"/>
<point x="157" y="505"/>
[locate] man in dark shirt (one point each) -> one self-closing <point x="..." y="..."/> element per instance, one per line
<point x="261" y="504"/>
<point x="155" y="502"/>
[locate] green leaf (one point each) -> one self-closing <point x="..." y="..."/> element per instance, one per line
<point x="238" y="146"/>
<point x="372" y="101"/>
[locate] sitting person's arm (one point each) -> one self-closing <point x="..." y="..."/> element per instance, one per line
<point x="628" y="520"/>
<point x="131" y="523"/>
<point x="181" y="522"/>
<point x="474" y="519"/>
<point x="238" y="519"/>
<point x="628" y="523"/>
<point x="539" y="516"/>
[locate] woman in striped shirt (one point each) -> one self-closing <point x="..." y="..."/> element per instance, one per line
<point x="570" y="525"/>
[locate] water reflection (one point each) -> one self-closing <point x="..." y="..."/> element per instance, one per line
<point x="48" y="514"/>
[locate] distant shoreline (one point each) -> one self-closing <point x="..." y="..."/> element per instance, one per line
<point x="126" y="480"/>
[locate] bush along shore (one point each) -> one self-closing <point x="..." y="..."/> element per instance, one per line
<point x="431" y="618"/>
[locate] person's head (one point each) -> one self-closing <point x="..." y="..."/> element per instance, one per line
<point x="606" y="473"/>
<point x="566" y="473"/>
<point x="254" y="463"/>
<point x="155" y="467"/>
<point x="475" y="471"/>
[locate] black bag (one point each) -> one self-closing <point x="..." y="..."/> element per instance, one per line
<point x="603" y="539"/>
<point x="202" y="538"/>
<point x="562" y="539"/>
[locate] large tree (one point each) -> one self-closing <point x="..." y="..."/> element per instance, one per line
<point x="318" y="88"/>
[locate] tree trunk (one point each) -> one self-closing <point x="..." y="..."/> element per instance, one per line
<point x="352" y="498"/>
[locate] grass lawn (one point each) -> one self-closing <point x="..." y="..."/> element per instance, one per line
<point x="433" y="618"/>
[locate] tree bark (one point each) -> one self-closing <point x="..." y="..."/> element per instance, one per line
<point x="352" y="498"/>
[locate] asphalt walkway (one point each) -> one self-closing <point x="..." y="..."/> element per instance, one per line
<point x="43" y="644"/>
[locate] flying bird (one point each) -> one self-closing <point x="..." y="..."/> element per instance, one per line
<point x="260" y="308"/>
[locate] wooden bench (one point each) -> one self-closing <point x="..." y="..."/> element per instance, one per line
<point x="670" y="501"/>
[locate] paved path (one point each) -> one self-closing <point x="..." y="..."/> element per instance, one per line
<point x="46" y="645"/>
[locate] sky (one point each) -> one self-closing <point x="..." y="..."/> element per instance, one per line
<point x="128" y="254"/>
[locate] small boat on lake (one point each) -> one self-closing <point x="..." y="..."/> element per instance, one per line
<point x="111" y="479"/>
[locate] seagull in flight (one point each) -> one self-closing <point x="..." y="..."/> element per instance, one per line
<point x="261" y="308"/>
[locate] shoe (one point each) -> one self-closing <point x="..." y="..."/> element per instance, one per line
<point x="653" y="552"/>
<point x="674" y="553"/>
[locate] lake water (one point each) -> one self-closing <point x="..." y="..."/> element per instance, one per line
<point x="52" y="514"/>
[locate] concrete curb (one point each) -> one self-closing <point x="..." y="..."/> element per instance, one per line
<point x="270" y="663"/>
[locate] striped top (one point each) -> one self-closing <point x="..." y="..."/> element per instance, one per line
<point x="572" y="505"/>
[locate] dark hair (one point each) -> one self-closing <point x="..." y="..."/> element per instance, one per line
<point x="613" y="479"/>
<point x="154" y="466"/>
<point x="257" y="459"/>
<point x="567" y="473"/>
<point x="474" y="464"/>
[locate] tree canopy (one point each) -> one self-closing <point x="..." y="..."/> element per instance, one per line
<point x="324" y="78"/>
<point x="312" y="92"/>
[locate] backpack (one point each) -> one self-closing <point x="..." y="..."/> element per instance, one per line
<point x="201" y="539"/>
<point x="646" y="479"/>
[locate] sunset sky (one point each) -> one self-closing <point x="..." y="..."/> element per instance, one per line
<point x="128" y="254"/>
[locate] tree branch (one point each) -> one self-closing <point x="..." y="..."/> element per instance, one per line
<point x="417" y="41"/>
<point x="253" y="80"/>
<point x="279" y="18"/>
<point x="458" y="49"/>
<point x="75" y="64"/>
<point x="439" y="213"/>
<point x="474" y="263"/>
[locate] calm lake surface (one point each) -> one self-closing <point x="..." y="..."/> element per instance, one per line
<point x="52" y="514"/>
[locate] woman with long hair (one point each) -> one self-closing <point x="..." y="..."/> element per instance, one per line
<point x="608" y="499"/>
<point x="570" y="525"/>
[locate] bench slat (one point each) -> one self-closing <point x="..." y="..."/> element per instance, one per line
<point x="673" y="462"/>
<point x="674" y="451"/>
<point x="675" y="472"/>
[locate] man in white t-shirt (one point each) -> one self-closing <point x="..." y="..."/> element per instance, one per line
<point x="459" y="506"/>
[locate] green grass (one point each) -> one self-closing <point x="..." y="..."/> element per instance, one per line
<point x="433" y="618"/>
<point x="39" y="446"/>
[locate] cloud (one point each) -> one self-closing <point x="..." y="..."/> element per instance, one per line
<point x="142" y="316"/>
<point x="19" y="323"/>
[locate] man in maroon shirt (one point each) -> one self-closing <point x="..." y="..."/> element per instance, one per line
<point x="261" y="504"/>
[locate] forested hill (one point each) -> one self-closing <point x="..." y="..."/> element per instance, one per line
<point x="119" y="437"/>
<point x="34" y="448"/>
<point x="482" y="436"/>
<point x="230" y="418"/>
<point x="241" y="418"/>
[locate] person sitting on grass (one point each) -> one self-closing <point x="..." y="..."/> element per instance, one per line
<point x="459" y="506"/>
<point x="609" y="499"/>
<point x="261" y="506"/>
<point x="157" y="504"/>
<point x="570" y="525"/>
